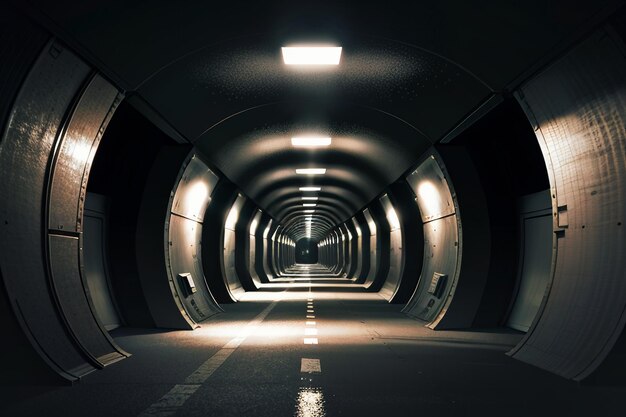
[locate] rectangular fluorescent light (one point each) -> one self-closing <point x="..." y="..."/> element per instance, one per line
<point x="310" y="188"/>
<point x="311" y="142"/>
<point x="309" y="204"/>
<point x="311" y="55"/>
<point x="309" y="198"/>
<point x="309" y="211"/>
<point x="311" y="171"/>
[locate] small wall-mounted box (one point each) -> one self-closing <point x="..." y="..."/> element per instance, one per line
<point x="186" y="282"/>
<point x="437" y="284"/>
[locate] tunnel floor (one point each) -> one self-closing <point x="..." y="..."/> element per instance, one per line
<point x="366" y="358"/>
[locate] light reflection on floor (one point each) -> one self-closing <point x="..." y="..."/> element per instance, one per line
<point x="310" y="403"/>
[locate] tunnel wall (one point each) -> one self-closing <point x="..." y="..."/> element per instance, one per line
<point x="365" y="248"/>
<point x="229" y="269"/>
<point x="265" y="253"/>
<point x="412" y="242"/>
<point x="355" y="249"/>
<point x="95" y="221"/>
<point x="383" y="240"/>
<point x="261" y="248"/>
<point x="396" y="251"/>
<point x="347" y="240"/>
<point x="213" y="239"/>
<point x="578" y="110"/>
<point x="184" y="246"/>
<point x="253" y="248"/>
<point x="51" y="135"/>
<point x="442" y="243"/>
<point x="165" y="310"/>
<point x="242" y="246"/>
<point x="455" y="252"/>
<point x="373" y="249"/>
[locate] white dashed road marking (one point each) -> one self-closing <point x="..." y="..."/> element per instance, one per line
<point x="171" y="402"/>
<point x="310" y="366"/>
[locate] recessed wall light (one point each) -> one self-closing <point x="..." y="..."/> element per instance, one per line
<point x="310" y="188"/>
<point x="310" y="142"/>
<point x="311" y="171"/>
<point x="311" y="55"/>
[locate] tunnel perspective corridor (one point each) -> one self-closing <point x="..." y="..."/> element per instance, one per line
<point x="327" y="209"/>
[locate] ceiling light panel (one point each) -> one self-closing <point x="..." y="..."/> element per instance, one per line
<point x="311" y="55"/>
<point x="309" y="204"/>
<point x="310" y="142"/>
<point x="310" y="188"/>
<point x="309" y="198"/>
<point x="311" y="171"/>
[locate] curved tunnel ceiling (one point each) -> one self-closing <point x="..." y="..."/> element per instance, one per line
<point x="403" y="83"/>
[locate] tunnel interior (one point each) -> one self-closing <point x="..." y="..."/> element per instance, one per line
<point x="336" y="215"/>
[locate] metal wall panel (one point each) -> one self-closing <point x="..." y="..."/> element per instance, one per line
<point x="396" y="265"/>
<point x="430" y="185"/>
<point x="230" y="274"/>
<point x="152" y="240"/>
<point x="396" y="251"/>
<point x="442" y="242"/>
<point x="441" y="253"/>
<point x="73" y="299"/>
<point x="252" y="262"/>
<point x="75" y="154"/>
<point x="266" y="254"/>
<point x="95" y="258"/>
<point x="185" y="258"/>
<point x="535" y="272"/>
<point x="194" y="189"/>
<point x="578" y="110"/>
<point x="42" y="277"/>
<point x="373" y="249"/>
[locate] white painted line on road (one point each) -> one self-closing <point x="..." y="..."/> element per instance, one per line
<point x="310" y="366"/>
<point x="310" y="340"/>
<point x="310" y="331"/>
<point x="174" y="399"/>
<point x="171" y="402"/>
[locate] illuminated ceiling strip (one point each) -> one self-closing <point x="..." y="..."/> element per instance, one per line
<point x="311" y="142"/>
<point x="311" y="171"/>
<point x="311" y="55"/>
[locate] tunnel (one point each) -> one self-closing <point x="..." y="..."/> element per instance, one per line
<point x="313" y="209"/>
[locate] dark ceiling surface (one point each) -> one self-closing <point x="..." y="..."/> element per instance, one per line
<point x="409" y="73"/>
